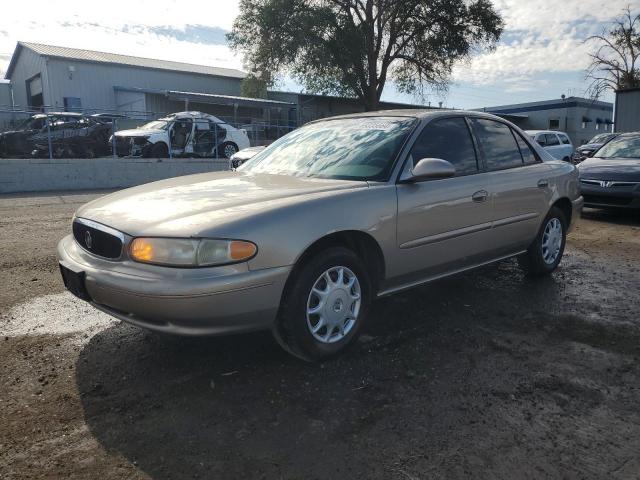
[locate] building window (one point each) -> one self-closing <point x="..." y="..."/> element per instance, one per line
<point x="554" y="124"/>
<point x="72" y="104"/>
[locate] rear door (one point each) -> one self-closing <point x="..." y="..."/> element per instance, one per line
<point x="443" y="224"/>
<point x="518" y="182"/>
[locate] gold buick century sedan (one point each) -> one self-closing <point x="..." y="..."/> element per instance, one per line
<point x="304" y="236"/>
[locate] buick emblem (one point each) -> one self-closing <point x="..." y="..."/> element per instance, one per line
<point x="606" y="184"/>
<point x="87" y="239"/>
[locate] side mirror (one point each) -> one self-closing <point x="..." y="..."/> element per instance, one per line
<point x="429" y="169"/>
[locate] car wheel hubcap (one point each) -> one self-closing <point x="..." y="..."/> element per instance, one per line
<point x="333" y="304"/>
<point x="551" y="241"/>
<point x="229" y="150"/>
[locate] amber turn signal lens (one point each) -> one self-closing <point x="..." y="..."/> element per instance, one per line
<point x="142" y="250"/>
<point x="239" y="250"/>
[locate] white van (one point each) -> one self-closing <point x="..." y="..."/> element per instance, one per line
<point x="557" y="144"/>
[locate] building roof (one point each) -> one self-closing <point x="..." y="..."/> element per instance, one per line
<point x="567" y="102"/>
<point x="81" y="55"/>
<point x="210" y="98"/>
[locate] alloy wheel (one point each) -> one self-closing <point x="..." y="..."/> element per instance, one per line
<point x="551" y="241"/>
<point x="333" y="304"/>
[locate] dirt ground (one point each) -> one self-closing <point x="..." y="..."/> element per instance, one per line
<point x="485" y="375"/>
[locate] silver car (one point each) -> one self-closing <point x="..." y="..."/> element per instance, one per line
<point x="310" y="231"/>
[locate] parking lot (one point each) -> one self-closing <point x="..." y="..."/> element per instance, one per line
<point x="488" y="374"/>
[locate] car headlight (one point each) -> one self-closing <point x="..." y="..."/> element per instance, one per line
<point x="187" y="252"/>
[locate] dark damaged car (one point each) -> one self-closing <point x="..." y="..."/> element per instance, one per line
<point x="72" y="135"/>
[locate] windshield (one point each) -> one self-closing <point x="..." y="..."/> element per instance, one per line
<point x="352" y="149"/>
<point x="602" y="138"/>
<point x="155" y="125"/>
<point x="621" y="147"/>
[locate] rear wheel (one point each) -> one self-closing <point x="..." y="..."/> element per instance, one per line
<point x="227" y="149"/>
<point x="325" y="305"/>
<point x="545" y="253"/>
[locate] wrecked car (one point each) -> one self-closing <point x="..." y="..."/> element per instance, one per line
<point x="183" y="134"/>
<point x="72" y="135"/>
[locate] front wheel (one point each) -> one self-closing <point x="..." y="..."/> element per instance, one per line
<point x="545" y="253"/>
<point x="325" y="305"/>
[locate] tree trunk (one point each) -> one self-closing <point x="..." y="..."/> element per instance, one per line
<point x="372" y="102"/>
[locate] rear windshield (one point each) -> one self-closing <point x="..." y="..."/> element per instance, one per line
<point x="621" y="147"/>
<point x="362" y="148"/>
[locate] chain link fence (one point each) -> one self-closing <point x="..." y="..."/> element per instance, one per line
<point x="93" y="134"/>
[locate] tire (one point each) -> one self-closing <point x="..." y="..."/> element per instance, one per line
<point x="545" y="253"/>
<point x="159" y="150"/>
<point x="227" y="149"/>
<point x="293" y="329"/>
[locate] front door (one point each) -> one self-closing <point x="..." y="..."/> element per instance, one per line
<point x="443" y="224"/>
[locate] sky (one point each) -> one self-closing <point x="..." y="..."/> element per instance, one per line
<point x="541" y="56"/>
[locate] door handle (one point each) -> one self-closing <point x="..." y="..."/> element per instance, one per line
<point x="480" y="196"/>
<point x="543" y="183"/>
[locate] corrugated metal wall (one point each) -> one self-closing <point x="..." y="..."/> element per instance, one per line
<point x="5" y="95"/>
<point x="28" y="65"/>
<point x="93" y="83"/>
<point x="628" y="111"/>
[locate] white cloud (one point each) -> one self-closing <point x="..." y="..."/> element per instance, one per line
<point x="541" y="36"/>
<point x="83" y="24"/>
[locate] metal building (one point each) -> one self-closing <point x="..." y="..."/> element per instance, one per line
<point x="580" y="118"/>
<point x="627" y="116"/>
<point x="60" y="78"/>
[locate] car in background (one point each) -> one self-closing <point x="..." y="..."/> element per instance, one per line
<point x="589" y="148"/>
<point x="611" y="178"/>
<point x="71" y="135"/>
<point x="557" y="144"/>
<point x="245" y="154"/>
<point x="182" y="134"/>
<point x="302" y="238"/>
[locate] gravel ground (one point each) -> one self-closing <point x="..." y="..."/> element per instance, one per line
<point x="485" y="375"/>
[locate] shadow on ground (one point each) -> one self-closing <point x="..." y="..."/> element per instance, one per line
<point x="482" y="375"/>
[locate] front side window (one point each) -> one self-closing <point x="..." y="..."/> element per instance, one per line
<point x="551" y="140"/>
<point x="362" y="148"/>
<point x="497" y="143"/>
<point x="448" y="139"/>
<point x="621" y="147"/>
<point x="564" y="139"/>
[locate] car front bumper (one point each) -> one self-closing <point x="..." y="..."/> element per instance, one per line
<point x="611" y="197"/>
<point x="196" y="301"/>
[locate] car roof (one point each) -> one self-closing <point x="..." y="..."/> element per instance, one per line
<point x="59" y="114"/>
<point x="415" y="113"/>
<point x="192" y="115"/>
<point x="535" y="132"/>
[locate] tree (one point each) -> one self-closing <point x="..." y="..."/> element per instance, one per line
<point x="352" y="47"/>
<point x="253" y="86"/>
<point x="615" y="63"/>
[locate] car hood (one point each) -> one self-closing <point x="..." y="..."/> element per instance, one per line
<point x="138" y="132"/>
<point x="589" y="146"/>
<point x="627" y="169"/>
<point x="194" y="204"/>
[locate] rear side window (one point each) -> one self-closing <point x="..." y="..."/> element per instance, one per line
<point x="528" y="157"/>
<point x="497" y="143"/>
<point x="564" y="139"/>
<point x="448" y="139"/>
<point x="551" y="140"/>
